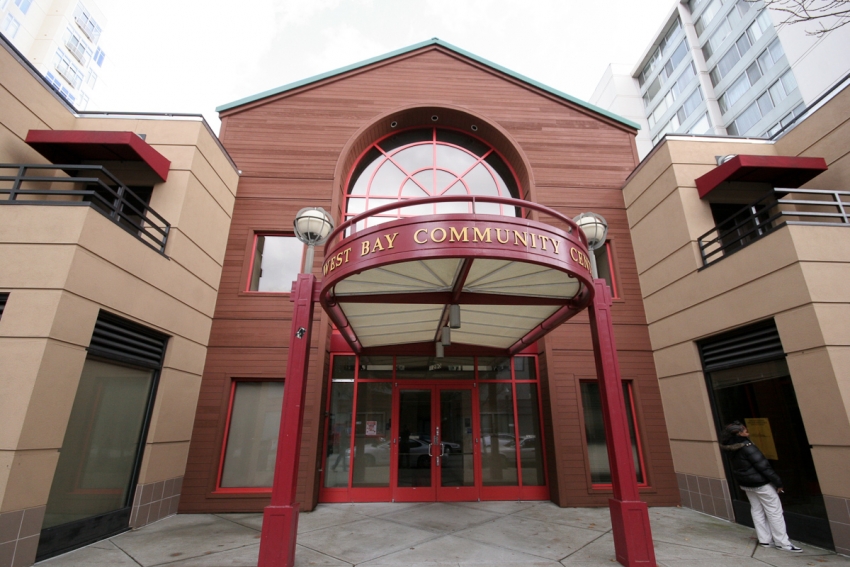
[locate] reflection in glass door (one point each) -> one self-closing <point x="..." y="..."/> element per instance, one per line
<point x="414" y="478"/>
<point x="456" y="460"/>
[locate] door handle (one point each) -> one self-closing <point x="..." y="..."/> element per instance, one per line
<point x="429" y="449"/>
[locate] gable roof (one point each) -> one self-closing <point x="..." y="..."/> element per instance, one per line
<point x="437" y="42"/>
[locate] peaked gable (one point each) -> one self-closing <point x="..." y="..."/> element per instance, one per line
<point x="432" y="43"/>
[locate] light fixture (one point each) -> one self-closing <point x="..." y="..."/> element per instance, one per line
<point x="446" y="336"/>
<point x="595" y="229"/>
<point x="312" y="225"/>
<point x="440" y="351"/>
<point x="454" y="316"/>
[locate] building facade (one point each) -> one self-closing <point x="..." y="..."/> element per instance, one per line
<point x="427" y="121"/>
<point x="724" y="68"/>
<point x="743" y="269"/>
<point x="111" y="263"/>
<point x="62" y="38"/>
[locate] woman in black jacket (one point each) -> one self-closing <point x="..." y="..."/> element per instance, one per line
<point x="761" y="484"/>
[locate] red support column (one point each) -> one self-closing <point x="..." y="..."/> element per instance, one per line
<point x="280" y="518"/>
<point x="629" y="516"/>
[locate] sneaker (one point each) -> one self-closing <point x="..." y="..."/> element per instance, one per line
<point x="792" y="548"/>
<point x="764" y="544"/>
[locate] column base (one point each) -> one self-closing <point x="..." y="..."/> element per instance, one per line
<point x="632" y="534"/>
<point x="277" y="542"/>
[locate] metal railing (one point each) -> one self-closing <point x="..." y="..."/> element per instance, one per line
<point x="814" y="207"/>
<point x="88" y="185"/>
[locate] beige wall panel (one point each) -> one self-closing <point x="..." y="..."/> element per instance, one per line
<point x="174" y="409"/>
<point x="753" y="266"/>
<point x="185" y="355"/>
<point x="684" y="261"/>
<point x="163" y="461"/>
<point x="7" y="458"/>
<point x="29" y="481"/>
<point x="834" y="321"/>
<point x="218" y="160"/>
<point x="156" y="130"/>
<point x="75" y="320"/>
<point x="17" y="118"/>
<point x="188" y="255"/>
<point x="52" y="396"/>
<point x="675" y="360"/>
<point x="652" y="196"/>
<point x="832" y="464"/>
<point x="825" y="410"/>
<point x="650" y="170"/>
<point x="704" y="151"/>
<point x="213" y="183"/>
<point x="666" y="237"/>
<point x="13" y="150"/>
<point x="18" y="373"/>
<point x="827" y="281"/>
<point x="757" y="300"/>
<point x="30" y="313"/>
<point x="828" y="122"/>
<point x="168" y="199"/>
<point x="180" y="156"/>
<point x="204" y="221"/>
<point x="91" y="277"/>
<point x="31" y="224"/>
<point x="687" y="408"/>
<point x="697" y="457"/>
<point x="102" y="239"/>
<point x="800" y="329"/>
<point x="821" y="243"/>
<point x="41" y="102"/>
<point x="836" y="178"/>
<point x="687" y="173"/>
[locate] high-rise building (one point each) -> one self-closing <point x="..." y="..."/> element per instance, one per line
<point x="62" y="39"/>
<point x="724" y="67"/>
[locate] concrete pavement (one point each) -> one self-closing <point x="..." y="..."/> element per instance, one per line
<point x="468" y="534"/>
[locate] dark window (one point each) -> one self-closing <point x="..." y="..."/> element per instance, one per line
<point x="594" y="427"/>
<point x="276" y="261"/>
<point x="4" y="297"/>
<point x="605" y="267"/>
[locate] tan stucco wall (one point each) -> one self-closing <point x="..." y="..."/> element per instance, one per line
<point x="62" y="265"/>
<point x="797" y="275"/>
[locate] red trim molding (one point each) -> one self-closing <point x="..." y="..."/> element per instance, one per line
<point x="76" y="146"/>
<point x="779" y="171"/>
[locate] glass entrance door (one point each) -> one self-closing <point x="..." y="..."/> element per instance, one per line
<point x="433" y="442"/>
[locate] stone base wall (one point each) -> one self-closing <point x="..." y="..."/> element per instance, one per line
<point x="838" y="512"/>
<point x="19" y="533"/>
<point x="155" y="501"/>
<point x="706" y="494"/>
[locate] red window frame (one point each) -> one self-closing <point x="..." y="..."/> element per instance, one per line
<point x="607" y="486"/>
<point x="253" y="255"/>
<point x="237" y="489"/>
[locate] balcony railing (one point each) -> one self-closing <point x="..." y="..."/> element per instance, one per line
<point x="84" y="185"/>
<point x="783" y="207"/>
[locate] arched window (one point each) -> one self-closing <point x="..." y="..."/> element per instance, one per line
<point x="429" y="162"/>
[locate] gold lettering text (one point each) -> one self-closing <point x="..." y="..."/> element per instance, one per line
<point x="533" y="240"/>
<point x="378" y="245"/>
<point x="556" y="243"/>
<point x="365" y="248"/>
<point x="518" y="238"/>
<point x="390" y="238"/>
<point x="543" y="240"/>
<point x="416" y="236"/>
<point x="478" y="236"/>
<point x="458" y="236"/>
<point x="434" y="231"/>
<point x="499" y="236"/>
<point x="346" y="251"/>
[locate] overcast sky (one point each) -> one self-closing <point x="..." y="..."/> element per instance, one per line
<point x="192" y="55"/>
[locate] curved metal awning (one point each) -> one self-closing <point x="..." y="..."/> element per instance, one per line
<point x="514" y="279"/>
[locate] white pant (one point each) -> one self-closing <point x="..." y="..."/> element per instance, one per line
<point x="767" y="515"/>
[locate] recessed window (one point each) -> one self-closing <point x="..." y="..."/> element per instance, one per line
<point x="87" y="23"/>
<point x="605" y="267"/>
<point x="23" y="5"/>
<point x="594" y="426"/>
<point x="275" y="263"/>
<point x="11" y="26"/>
<point x="251" y="435"/>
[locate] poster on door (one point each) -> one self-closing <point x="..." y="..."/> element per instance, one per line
<point x="762" y="436"/>
<point x="371" y="428"/>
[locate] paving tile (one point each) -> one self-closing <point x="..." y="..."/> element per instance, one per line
<point x="454" y="550"/>
<point x="532" y="537"/>
<point x="325" y="516"/>
<point x="182" y="537"/>
<point x="505" y="507"/>
<point x="810" y="556"/>
<point x="441" y="518"/>
<point x="379" y="508"/>
<point x="598" y="519"/>
<point x="249" y="520"/>
<point x="597" y="552"/>
<point x="101" y="554"/>
<point x="245" y="556"/>
<point x="364" y="540"/>
<point x="684" y="527"/>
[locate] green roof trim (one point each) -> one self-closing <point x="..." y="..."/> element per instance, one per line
<point x="414" y="47"/>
